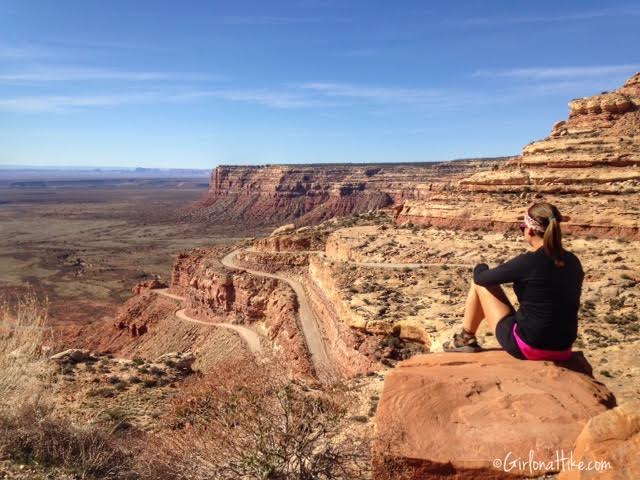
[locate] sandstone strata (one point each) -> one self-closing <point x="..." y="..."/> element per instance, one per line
<point x="597" y="149"/>
<point x="589" y="166"/>
<point x="452" y="415"/>
<point x="496" y="212"/>
<point x="309" y="194"/>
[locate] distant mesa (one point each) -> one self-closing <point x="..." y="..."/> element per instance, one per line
<point x="272" y="195"/>
<point x="594" y="153"/>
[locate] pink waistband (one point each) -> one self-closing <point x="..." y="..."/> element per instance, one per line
<point x="532" y="353"/>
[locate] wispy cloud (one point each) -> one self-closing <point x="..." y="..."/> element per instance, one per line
<point x="59" y="103"/>
<point x="55" y="74"/>
<point x="56" y="103"/>
<point x="268" y="98"/>
<point x="384" y="94"/>
<point x="21" y="52"/>
<point x="545" y="73"/>
<point x="559" y="18"/>
<point x="265" y="20"/>
<point x="327" y="95"/>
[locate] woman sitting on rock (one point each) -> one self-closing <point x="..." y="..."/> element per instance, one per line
<point x="548" y="283"/>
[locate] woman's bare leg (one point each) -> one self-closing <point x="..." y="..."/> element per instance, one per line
<point x="490" y="303"/>
<point x="473" y="313"/>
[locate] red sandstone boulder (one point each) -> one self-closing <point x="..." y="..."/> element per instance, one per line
<point x="461" y="416"/>
<point x="612" y="437"/>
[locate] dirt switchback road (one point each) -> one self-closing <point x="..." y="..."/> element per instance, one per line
<point x="251" y="338"/>
<point x="307" y="318"/>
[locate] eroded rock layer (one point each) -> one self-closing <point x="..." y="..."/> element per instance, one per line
<point x="602" y="216"/>
<point x="589" y="167"/>
<point x="597" y="149"/>
<point x="610" y="443"/>
<point x="215" y="293"/>
<point x="308" y="194"/>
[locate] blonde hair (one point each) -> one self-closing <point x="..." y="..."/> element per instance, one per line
<point x="549" y="217"/>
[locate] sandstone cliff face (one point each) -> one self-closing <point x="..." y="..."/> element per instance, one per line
<point x="589" y="167"/>
<point x="600" y="216"/>
<point x="597" y="149"/>
<point x="309" y="194"/>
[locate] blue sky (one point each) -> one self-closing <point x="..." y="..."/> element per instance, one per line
<point x="200" y="83"/>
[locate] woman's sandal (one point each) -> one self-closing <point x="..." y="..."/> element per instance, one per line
<point x="463" y="342"/>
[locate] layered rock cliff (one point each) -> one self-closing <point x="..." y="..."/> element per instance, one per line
<point x="597" y="149"/>
<point x="589" y="167"/>
<point x="308" y="194"/>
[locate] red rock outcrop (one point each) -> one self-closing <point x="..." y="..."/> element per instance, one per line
<point x="470" y="416"/>
<point x="597" y="149"/>
<point x="309" y="194"/>
<point x="612" y="437"/>
<point x="273" y="261"/>
<point x="589" y="166"/>
<point x="148" y="285"/>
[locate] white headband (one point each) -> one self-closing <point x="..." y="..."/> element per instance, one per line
<point x="533" y="224"/>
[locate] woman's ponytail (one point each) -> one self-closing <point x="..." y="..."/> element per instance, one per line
<point x="549" y="217"/>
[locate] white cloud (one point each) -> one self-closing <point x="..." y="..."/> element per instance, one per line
<point x="56" y="74"/>
<point x="269" y="98"/>
<point x="559" y="18"/>
<point x="394" y="94"/>
<point x="545" y="73"/>
<point x="57" y="103"/>
<point x="52" y="103"/>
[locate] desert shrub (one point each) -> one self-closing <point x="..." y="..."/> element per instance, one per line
<point x="616" y="303"/>
<point x="137" y="361"/>
<point x="251" y="422"/>
<point x="104" y="392"/>
<point x="31" y="433"/>
<point x="150" y="382"/>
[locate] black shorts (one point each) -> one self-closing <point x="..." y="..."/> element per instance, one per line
<point x="504" y="335"/>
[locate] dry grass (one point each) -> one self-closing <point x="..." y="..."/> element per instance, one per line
<point x="29" y="430"/>
<point x="251" y="422"/>
<point x="24" y="332"/>
<point x="32" y="434"/>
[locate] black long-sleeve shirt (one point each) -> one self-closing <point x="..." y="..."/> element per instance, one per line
<point x="549" y="296"/>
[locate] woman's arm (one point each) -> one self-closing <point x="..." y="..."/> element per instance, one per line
<point x="507" y="272"/>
